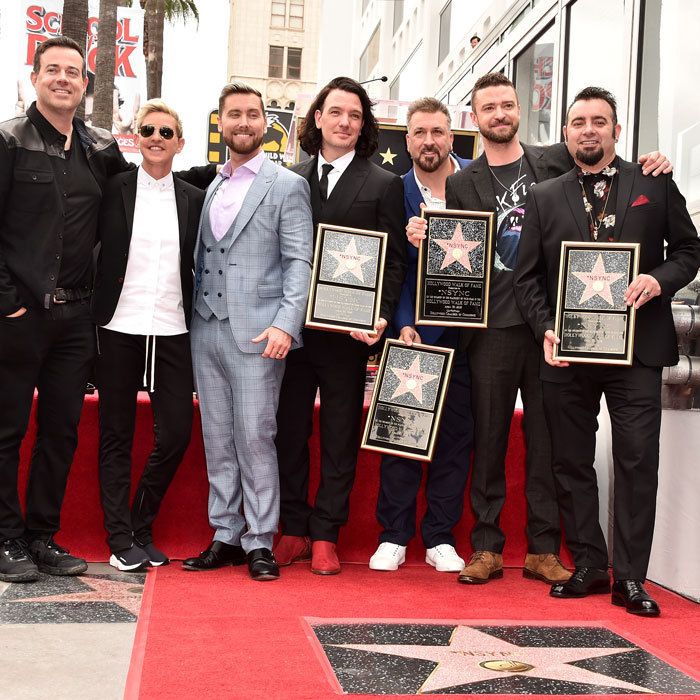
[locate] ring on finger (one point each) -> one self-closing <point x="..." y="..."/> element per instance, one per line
<point x="646" y="293"/>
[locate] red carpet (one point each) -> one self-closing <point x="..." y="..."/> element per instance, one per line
<point x="182" y="528"/>
<point x="221" y="635"/>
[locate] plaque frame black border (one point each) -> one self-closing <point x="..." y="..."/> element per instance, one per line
<point x="312" y="321"/>
<point x="421" y="319"/>
<point x="630" y="312"/>
<point x="422" y="455"/>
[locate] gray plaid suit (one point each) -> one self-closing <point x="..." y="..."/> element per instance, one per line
<point x="255" y="277"/>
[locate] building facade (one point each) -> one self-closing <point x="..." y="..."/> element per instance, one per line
<point x="273" y="46"/>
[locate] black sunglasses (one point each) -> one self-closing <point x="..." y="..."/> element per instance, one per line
<point x="148" y="129"/>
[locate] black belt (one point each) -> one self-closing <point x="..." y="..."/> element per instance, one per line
<point x="64" y="296"/>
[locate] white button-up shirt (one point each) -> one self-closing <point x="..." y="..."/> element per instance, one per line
<point x="430" y="201"/>
<point x="151" y="298"/>
<point x="339" y="167"/>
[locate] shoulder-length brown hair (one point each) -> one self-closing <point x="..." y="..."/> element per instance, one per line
<point x="310" y="136"/>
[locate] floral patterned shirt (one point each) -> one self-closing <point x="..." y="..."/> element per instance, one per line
<point x="599" y="192"/>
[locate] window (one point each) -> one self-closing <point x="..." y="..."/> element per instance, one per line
<point x="370" y="56"/>
<point x="398" y="15"/>
<point x="279" y="14"/>
<point x="296" y="14"/>
<point x="287" y="13"/>
<point x="444" y="41"/>
<point x="534" y="69"/>
<point x="607" y="64"/>
<point x="293" y="63"/>
<point x="276" y="61"/>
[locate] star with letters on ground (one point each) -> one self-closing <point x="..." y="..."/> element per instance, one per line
<point x="598" y="282"/>
<point x="457" y="249"/>
<point x="349" y="260"/>
<point x="411" y="380"/>
<point x="491" y="659"/>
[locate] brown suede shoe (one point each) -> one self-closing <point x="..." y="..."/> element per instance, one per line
<point x="546" y="567"/>
<point x="291" y="548"/>
<point x="482" y="567"/>
<point x="324" y="560"/>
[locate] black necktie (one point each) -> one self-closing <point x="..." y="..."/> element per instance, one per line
<point x="323" y="183"/>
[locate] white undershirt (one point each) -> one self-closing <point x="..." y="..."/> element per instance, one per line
<point x="151" y="299"/>
<point x="430" y="201"/>
<point x="339" y="166"/>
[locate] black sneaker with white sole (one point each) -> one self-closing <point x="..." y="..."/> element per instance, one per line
<point x="155" y="556"/>
<point x="132" y="559"/>
<point x="53" y="559"/>
<point x="16" y="565"/>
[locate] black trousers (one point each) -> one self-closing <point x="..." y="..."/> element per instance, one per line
<point x="336" y="365"/>
<point x="633" y="396"/>
<point x="446" y="474"/>
<point x="52" y="351"/>
<point x="503" y="360"/>
<point x="120" y="369"/>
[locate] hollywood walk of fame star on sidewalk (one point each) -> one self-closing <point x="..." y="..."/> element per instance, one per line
<point x="598" y="282"/>
<point x="457" y="249"/>
<point x="412" y="380"/>
<point x="461" y="661"/>
<point x="349" y="260"/>
<point x="127" y="595"/>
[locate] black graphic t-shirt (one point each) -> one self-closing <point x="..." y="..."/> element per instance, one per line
<point x="511" y="184"/>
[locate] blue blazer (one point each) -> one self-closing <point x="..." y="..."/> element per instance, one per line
<point x="405" y="314"/>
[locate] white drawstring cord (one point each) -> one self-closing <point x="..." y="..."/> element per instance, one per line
<point x="152" y="384"/>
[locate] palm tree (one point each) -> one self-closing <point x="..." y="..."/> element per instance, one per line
<point x="103" y="105"/>
<point x="156" y="12"/>
<point x="74" y="25"/>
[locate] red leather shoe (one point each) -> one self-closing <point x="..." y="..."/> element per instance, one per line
<point x="291" y="548"/>
<point x="324" y="560"/>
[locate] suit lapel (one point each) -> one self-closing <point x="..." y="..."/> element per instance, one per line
<point x="346" y="189"/>
<point x="262" y="183"/>
<point x="483" y="184"/>
<point x="182" y="204"/>
<point x="412" y="194"/>
<point x="537" y="162"/>
<point x="628" y="173"/>
<point x="306" y="168"/>
<point x="572" y="190"/>
<point x="129" y="198"/>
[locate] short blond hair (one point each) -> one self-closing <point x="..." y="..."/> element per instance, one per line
<point x="157" y="105"/>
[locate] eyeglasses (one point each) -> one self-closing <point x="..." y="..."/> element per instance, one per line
<point x="147" y="130"/>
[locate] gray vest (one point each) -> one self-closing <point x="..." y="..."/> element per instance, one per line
<point x="211" y="267"/>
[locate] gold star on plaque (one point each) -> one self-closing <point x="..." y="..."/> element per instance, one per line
<point x="388" y="156"/>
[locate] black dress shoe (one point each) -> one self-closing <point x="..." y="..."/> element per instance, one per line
<point x="584" y="581"/>
<point x="262" y="565"/>
<point x="218" y="554"/>
<point x="631" y="595"/>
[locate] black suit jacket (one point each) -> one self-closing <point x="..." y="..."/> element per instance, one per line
<point x="114" y="231"/>
<point x="554" y="213"/>
<point x="472" y="188"/>
<point x="367" y="196"/>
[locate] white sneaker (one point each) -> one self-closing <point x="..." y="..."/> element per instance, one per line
<point x="444" y="558"/>
<point x="388" y="557"/>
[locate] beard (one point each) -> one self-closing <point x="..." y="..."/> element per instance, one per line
<point x="497" y="137"/>
<point x="244" y="150"/>
<point x="430" y="166"/>
<point x="590" y="157"/>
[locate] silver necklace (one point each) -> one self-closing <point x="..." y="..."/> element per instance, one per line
<point x="514" y="196"/>
<point x="589" y="207"/>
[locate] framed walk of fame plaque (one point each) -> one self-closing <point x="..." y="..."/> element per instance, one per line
<point x="407" y="401"/>
<point x="454" y="269"/>
<point x="346" y="279"/>
<point x="593" y="322"/>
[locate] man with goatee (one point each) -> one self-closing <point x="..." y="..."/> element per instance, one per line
<point x="252" y="272"/>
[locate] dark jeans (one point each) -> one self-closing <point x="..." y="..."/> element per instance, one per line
<point x="446" y="474"/>
<point x="120" y="369"/>
<point x="50" y="350"/>
<point x="503" y="360"/>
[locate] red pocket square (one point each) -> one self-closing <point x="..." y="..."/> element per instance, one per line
<point x="642" y="199"/>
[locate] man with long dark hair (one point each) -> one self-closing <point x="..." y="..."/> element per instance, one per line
<point x="340" y="133"/>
